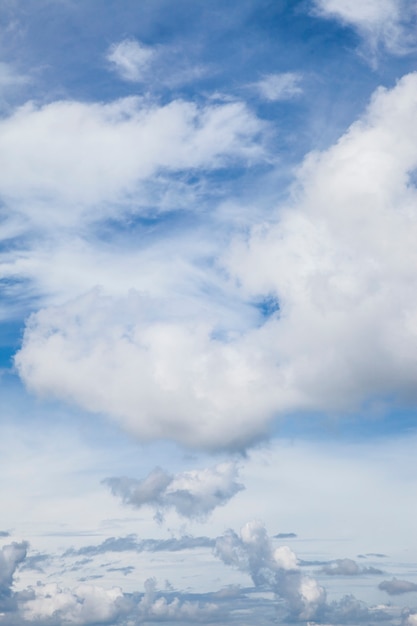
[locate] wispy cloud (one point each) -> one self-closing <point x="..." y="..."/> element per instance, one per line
<point x="131" y="59"/>
<point x="390" y="23"/>
<point x="131" y="543"/>
<point x="275" y="87"/>
<point x="214" y="381"/>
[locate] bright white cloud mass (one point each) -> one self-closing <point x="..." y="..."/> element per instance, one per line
<point x="209" y="312"/>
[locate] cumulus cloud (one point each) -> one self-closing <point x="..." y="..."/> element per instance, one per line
<point x="83" y="605"/>
<point x="130" y="59"/>
<point x="348" y="567"/>
<point x="384" y="22"/>
<point x="396" y="587"/>
<point x="276" y="569"/>
<point x="88" y="604"/>
<point x="283" y="86"/>
<point x="192" y="494"/>
<point x="156" y="607"/>
<point x="330" y="259"/>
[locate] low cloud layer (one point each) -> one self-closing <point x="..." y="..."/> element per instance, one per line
<point x="192" y="494"/>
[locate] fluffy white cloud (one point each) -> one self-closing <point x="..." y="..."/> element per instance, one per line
<point x="69" y="159"/>
<point x="86" y="604"/>
<point x="379" y="21"/>
<point x="152" y="607"/>
<point x="345" y="332"/>
<point x="153" y="67"/>
<point x="347" y="328"/>
<point x="283" y="86"/>
<point x="285" y="558"/>
<point x="162" y="379"/>
<point x="193" y="494"/>
<point x="130" y="59"/>
<point x="9" y="78"/>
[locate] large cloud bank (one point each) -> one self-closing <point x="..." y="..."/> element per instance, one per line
<point x="345" y="332"/>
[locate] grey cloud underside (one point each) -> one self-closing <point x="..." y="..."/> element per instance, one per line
<point x="377" y="555"/>
<point x="130" y="543"/>
<point x="193" y="494"/>
<point x="396" y="587"/>
<point x="348" y="567"/>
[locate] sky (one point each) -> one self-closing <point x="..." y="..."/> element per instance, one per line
<point x="208" y="312"/>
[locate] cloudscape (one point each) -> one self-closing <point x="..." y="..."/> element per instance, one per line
<point x="208" y="346"/>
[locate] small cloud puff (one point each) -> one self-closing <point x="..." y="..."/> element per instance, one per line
<point x="131" y="59"/>
<point x="285" y="86"/>
<point x="380" y="22"/>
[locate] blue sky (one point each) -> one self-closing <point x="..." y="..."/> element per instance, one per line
<point x="208" y="312"/>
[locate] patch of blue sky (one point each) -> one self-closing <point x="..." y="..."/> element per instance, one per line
<point x="11" y="333"/>
<point x="268" y="306"/>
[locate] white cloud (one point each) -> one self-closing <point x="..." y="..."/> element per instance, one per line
<point x="85" y="604"/>
<point x="171" y="380"/>
<point x="68" y="160"/>
<point x="193" y="494"/>
<point x="152" y="607"/>
<point x="283" y="86"/>
<point x="285" y="558"/>
<point x="153" y="67"/>
<point x="387" y="22"/>
<point x="347" y="325"/>
<point x="332" y="261"/>
<point x="131" y="59"/>
<point x="88" y="604"/>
